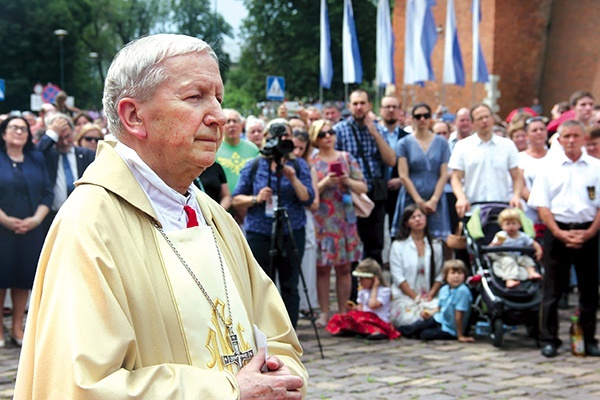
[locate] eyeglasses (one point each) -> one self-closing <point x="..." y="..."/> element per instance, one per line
<point x="531" y="120"/>
<point x="422" y="116"/>
<point x="233" y="121"/>
<point x="16" y="128"/>
<point x="91" y="139"/>
<point x="322" y="134"/>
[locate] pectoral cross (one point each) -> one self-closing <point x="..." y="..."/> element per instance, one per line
<point x="238" y="357"/>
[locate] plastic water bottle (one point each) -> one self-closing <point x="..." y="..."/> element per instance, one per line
<point x="349" y="208"/>
<point x="576" y="335"/>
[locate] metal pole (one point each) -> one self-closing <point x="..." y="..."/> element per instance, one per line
<point x="61" y="33"/>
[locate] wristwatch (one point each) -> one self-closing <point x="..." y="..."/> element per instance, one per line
<point x="253" y="200"/>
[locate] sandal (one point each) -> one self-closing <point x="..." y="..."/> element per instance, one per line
<point x="321" y="322"/>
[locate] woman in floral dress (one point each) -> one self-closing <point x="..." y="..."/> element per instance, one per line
<point x="338" y="243"/>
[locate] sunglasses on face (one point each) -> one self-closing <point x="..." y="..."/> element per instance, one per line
<point x="422" y="116"/>
<point x="91" y="139"/>
<point x="322" y="134"/>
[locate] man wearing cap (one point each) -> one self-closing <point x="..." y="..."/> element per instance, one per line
<point x="566" y="196"/>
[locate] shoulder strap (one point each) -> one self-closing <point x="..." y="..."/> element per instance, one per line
<point x="253" y="168"/>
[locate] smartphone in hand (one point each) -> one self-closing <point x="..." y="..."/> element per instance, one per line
<point x="336" y="168"/>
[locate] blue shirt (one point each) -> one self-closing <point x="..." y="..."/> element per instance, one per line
<point x="391" y="137"/>
<point x="451" y="300"/>
<point x="256" y="220"/>
<point x="347" y="142"/>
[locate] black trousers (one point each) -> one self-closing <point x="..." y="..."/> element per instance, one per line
<point x="285" y="266"/>
<point x="557" y="261"/>
<point x="370" y="231"/>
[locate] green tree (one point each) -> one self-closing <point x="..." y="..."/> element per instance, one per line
<point x="282" y="38"/>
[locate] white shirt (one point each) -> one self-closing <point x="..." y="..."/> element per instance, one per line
<point x="485" y="165"/>
<point x="404" y="259"/>
<point x="570" y="189"/>
<point x="166" y="201"/>
<point x="60" y="186"/>
<point x="531" y="167"/>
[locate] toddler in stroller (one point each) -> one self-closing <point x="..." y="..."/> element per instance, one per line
<point x="511" y="266"/>
<point x="498" y="305"/>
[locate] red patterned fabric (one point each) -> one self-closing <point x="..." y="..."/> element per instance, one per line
<point x="360" y="323"/>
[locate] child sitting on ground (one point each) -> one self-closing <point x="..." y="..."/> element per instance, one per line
<point x="513" y="267"/>
<point x="450" y="318"/>
<point x="371" y="316"/>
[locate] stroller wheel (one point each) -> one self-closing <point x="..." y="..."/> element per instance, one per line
<point x="497" y="332"/>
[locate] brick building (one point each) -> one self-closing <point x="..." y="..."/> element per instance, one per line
<point x="533" y="48"/>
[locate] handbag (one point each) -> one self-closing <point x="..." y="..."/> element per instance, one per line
<point x="456" y="240"/>
<point x="363" y="205"/>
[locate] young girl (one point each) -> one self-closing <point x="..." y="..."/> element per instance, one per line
<point x="511" y="266"/>
<point x="449" y="319"/>
<point x="371" y="316"/>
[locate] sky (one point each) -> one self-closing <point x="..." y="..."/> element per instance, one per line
<point x="233" y="11"/>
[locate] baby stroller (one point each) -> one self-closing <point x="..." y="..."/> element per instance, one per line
<point x="495" y="305"/>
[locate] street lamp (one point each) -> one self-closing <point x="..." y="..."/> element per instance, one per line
<point x="61" y="33"/>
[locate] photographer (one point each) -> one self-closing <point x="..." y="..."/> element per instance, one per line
<point x="276" y="179"/>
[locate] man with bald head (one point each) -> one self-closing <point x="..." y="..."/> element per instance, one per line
<point x="146" y="287"/>
<point x="234" y="152"/>
<point x="464" y="127"/>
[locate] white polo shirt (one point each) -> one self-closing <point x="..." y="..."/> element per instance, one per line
<point x="485" y="165"/>
<point x="570" y="189"/>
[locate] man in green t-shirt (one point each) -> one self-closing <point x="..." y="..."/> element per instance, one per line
<point x="234" y="152"/>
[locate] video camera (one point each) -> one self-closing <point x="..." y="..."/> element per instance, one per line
<point x="276" y="148"/>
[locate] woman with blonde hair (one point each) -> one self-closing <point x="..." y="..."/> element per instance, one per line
<point x="338" y="243"/>
<point x="89" y="136"/>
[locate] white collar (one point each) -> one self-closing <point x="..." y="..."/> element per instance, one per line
<point x="166" y="201"/>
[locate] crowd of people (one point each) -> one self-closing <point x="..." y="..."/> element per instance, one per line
<point x="283" y="212"/>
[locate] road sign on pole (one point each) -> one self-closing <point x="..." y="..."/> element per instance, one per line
<point x="275" y="88"/>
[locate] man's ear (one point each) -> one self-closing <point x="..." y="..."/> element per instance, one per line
<point x="129" y="112"/>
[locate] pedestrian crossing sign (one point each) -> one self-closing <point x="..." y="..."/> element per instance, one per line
<point x="275" y="88"/>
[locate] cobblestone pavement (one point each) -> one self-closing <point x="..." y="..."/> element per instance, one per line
<point x="410" y="369"/>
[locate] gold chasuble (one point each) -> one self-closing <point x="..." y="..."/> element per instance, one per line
<point x="209" y="345"/>
<point x="115" y="315"/>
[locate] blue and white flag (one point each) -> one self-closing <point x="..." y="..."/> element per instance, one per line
<point x="480" y="71"/>
<point x="350" y="51"/>
<point x="326" y="65"/>
<point x="421" y="35"/>
<point x="385" y="44"/>
<point x="454" y="72"/>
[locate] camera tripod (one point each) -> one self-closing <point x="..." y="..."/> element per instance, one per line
<point x="281" y="220"/>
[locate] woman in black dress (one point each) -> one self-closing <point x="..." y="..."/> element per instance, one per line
<point x="26" y="195"/>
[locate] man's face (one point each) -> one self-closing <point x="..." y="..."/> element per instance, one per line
<point x="464" y="125"/>
<point x="389" y="110"/>
<point x="233" y="127"/>
<point x="66" y="137"/>
<point x="584" y="109"/>
<point x="254" y="133"/>
<point x="441" y="128"/>
<point x="332" y="114"/>
<point x="359" y="105"/>
<point x="571" y="138"/>
<point x="183" y="120"/>
<point x="313" y="116"/>
<point x="483" y="120"/>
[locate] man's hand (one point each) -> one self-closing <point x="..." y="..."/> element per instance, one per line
<point x="394" y="184"/>
<point x="264" y="194"/>
<point x="277" y="383"/>
<point x="58" y="125"/>
<point x="515" y="201"/>
<point x="289" y="172"/>
<point x="462" y="206"/>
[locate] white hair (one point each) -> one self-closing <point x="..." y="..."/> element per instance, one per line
<point x="51" y="117"/>
<point x="251" y="120"/>
<point x="137" y="70"/>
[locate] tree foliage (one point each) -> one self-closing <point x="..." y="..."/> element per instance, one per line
<point x="31" y="51"/>
<point x="282" y="38"/>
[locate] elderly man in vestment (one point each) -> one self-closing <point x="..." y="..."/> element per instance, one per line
<point x="146" y="288"/>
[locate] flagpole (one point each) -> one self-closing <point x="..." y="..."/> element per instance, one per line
<point x="346" y="92"/>
<point x="321" y="94"/>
